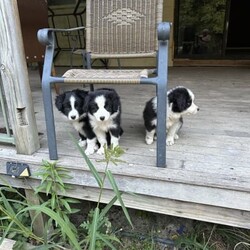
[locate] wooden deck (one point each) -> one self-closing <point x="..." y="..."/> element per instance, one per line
<point x="208" y="173"/>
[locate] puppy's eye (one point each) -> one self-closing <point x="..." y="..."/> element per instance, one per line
<point x="93" y="107"/>
<point x="107" y="106"/>
<point x="67" y="106"/>
<point x="77" y="105"/>
<point x="189" y="103"/>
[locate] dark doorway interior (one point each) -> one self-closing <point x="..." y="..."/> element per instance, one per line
<point x="238" y="39"/>
<point x="226" y="25"/>
<point x="239" y="19"/>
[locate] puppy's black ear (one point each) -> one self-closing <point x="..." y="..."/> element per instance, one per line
<point x="86" y="104"/>
<point x="115" y="100"/>
<point x="181" y="104"/>
<point x="81" y="93"/>
<point x="59" y="101"/>
<point x="178" y="101"/>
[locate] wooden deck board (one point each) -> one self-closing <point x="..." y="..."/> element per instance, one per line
<point x="208" y="173"/>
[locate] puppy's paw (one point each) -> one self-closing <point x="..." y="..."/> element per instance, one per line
<point x="100" y="151"/>
<point x="82" y="143"/>
<point x="170" y="141"/>
<point x="149" y="140"/>
<point x="89" y="151"/>
<point x="176" y="137"/>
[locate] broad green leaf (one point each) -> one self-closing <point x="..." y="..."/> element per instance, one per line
<point x="66" y="205"/>
<point x="66" y="229"/>
<point x="48" y="188"/>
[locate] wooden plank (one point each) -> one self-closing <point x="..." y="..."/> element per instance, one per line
<point x="230" y="157"/>
<point x="15" y="80"/>
<point x="182" y="172"/>
<point x="7" y="244"/>
<point x="231" y="217"/>
<point x="182" y="185"/>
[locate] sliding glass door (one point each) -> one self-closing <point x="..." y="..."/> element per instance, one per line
<point x="200" y="28"/>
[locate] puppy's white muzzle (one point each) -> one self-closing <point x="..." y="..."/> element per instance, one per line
<point x="193" y="109"/>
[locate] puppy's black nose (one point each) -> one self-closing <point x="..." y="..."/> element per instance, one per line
<point x="102" y="118"/>
<point x="198" y="109"/>
<point x="73" y="117"/>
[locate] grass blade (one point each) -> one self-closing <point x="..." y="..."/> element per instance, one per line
<point x="105" y="211"/>
<point x="118" y="194"/>
<point x="108" y="243"/>
<point x="107" y="207"/>
<point x="89" y="163"/>
<point x="94" y="229"/>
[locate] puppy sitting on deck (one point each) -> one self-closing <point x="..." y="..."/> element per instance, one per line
<point x="180" y="102"/>
<point x="71" y="104"/>
<point x="104" y="111"/>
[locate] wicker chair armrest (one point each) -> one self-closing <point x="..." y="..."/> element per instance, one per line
<point x="163" y="31"/>
<point x="45" y="36"/>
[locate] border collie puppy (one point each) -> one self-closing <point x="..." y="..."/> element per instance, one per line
<point x="71" y="104"/>
<point x="180" y="102"/>
<point x="104" y="112"/>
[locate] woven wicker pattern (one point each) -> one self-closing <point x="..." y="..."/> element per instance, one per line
<point x="105" y="76"/>
<point x="123" y="27"/>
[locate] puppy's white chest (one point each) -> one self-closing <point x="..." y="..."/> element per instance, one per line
<point x="170" y="123"/>
<point x="172" y="119"/>
<point x="104" y="125"/>
<point x="78" y="126"/>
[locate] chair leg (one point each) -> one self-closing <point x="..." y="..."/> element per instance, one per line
<point x="49" y="118"/>
<point x="88" y="66"/>
<point x="161" y="125"/>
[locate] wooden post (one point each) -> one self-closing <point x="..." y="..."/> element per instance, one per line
<point x="38" y="225"/>
<point x="15" y="79"/>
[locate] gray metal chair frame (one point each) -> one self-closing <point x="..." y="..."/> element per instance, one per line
<point x="126" y="16"/>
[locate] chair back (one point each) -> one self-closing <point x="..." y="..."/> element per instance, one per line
<point x="122" y="28"/>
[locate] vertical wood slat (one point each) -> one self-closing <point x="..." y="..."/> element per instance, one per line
<point x="5" y="137"/>
<point x="15" y="79"/>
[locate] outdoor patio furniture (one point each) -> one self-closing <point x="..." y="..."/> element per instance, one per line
<point x="115" y="29"/>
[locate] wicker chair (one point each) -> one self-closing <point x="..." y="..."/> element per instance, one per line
<point x="115" y="29"/>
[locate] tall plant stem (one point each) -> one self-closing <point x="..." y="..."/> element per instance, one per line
<point x="102" y="185"/>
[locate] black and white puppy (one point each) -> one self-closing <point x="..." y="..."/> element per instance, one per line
<point x="104" y="112"/>
<point x="180" y="102"/>
<point x="71" y="104"/>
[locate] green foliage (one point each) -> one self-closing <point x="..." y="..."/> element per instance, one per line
<point x="53" y="179"/>
<point x="206" y="236"/>
<point x="14" y="221"/>
<point x="98" y="235"/>
<point x="209" y="14"/>
<point x="52" y="184"/>
<point x="59" y="231"/>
